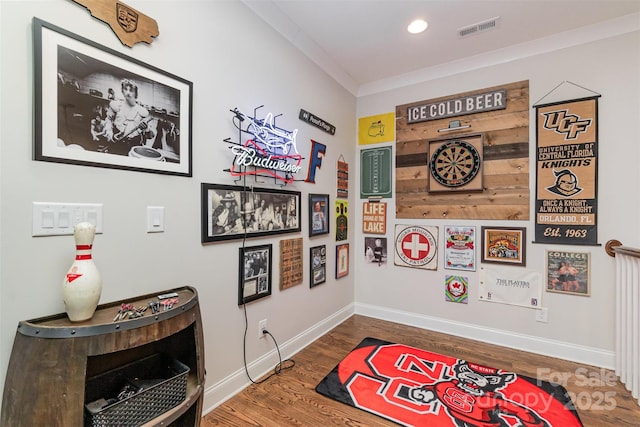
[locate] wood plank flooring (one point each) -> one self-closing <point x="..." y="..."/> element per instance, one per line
<point x="289" y="399"/>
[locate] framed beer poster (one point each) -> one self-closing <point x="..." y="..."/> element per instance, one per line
<point x="505" y="245"/>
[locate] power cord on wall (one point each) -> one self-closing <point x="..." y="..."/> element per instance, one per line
<point x="280" y="366"/>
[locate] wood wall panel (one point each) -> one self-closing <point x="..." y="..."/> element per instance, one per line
<point x="514" y="181"/>
<point x="505" y="193"/>
<point x="491" y="138"/>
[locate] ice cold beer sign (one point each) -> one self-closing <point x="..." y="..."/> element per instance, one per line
<point x="488" y="101"/>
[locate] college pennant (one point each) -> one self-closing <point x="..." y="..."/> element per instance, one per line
<point x="567" y="172"/>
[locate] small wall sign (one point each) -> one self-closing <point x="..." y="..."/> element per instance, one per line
<point x="129" y="25"/>
<point x="374" y="217"/>
<point x="342" y="179"/>
<point x="316" y="121"/>
<point x="488" y="101"/>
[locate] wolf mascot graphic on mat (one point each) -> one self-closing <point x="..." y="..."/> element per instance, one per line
<point x="471" y="398"/>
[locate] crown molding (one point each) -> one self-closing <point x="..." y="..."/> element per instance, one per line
<point x="273" y="16"/>
<point x="587" y="34"/>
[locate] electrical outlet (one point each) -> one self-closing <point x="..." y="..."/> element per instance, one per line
<point x="262" y="326"/>
<point x="542" y="315"/>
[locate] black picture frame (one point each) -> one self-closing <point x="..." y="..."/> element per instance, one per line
<point x="317" y="265"/>
<point x="254" y="280"/>
<point x="252" y="212"/>
<point x="82" y="116"/>
<point x="318" y="214"/>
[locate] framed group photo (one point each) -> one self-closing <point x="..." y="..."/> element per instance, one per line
<point x="318" y="214"/>
<point x="234" y="212"/>
<point x="97" y="107"/>
<point x="255" y="273"/>
<point x="504" y="245"/>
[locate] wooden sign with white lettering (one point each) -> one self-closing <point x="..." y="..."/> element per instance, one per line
<point x="430" y="137"/>
<point x="130" y="25"/>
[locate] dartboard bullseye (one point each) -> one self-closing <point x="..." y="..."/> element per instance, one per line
<point x="455" y="163"/>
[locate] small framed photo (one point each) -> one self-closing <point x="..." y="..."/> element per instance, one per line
<point x="375" y="250"/>
<point x="318" y="259"/>
<point x="97" y="107"/>
<point x="504" y="245"/>
<point x="460" y="248"/>
<point x="342" y="260"/>
<point x="318" y="214"/>
<point x="255" y="273"/>
<point x="233" y="212"/>
<point x="569" y="272"/>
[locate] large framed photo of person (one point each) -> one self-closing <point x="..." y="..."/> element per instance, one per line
<point x="234" y="212"/>
<point x="318" y="214"/>
<point x="255" y="273"/>
<point x="97" y="107"/>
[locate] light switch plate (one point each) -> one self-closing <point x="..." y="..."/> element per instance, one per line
<point x="155" y="219"/>
<point x="60" y="219"/>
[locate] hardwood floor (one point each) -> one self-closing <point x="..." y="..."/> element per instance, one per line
<point x="289" y="399"/>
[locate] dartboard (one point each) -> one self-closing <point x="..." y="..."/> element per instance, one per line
<point x="455" y="163"/>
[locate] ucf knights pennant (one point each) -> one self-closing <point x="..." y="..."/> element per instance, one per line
<point x="567" y="172"/>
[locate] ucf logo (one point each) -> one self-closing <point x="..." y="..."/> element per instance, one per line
<point x="568" y="124"/>
<point x="127" y="18"/>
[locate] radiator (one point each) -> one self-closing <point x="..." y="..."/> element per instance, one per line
<point x="628" y="318"/>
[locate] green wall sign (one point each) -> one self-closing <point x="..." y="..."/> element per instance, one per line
<point x="375" y="173"/>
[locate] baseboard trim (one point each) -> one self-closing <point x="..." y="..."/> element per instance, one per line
<point x="233" y="384"/>
<point x="561" y="350"/>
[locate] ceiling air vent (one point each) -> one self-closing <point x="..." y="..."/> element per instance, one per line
<point x="479" y="27"/>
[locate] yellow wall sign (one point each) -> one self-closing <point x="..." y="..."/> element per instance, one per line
<point x="378" y="128"/>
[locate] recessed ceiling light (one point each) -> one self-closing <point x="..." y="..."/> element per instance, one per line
<point x="417" y="26"/>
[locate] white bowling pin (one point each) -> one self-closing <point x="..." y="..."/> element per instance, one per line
<point x="82" y="284"/>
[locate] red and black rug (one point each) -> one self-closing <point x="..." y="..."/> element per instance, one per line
<point x="414" y="387"/>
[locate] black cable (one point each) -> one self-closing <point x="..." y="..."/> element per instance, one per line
<point x="280" y="366"/>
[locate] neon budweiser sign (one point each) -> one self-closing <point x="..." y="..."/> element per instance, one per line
<point x="268" y="150"/>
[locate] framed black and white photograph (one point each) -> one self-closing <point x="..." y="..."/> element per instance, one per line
<point x="97" y="107"/>
<point x="255" y="273"/>
<point x="318" y="214"/>
<point x="375" y="251"/>
<point x="233" y="212"/>
<point x="318" y="259"/>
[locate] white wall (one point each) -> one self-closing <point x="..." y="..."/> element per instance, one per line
<point x="581" y="328"/>
<point x="233" y="60"/>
